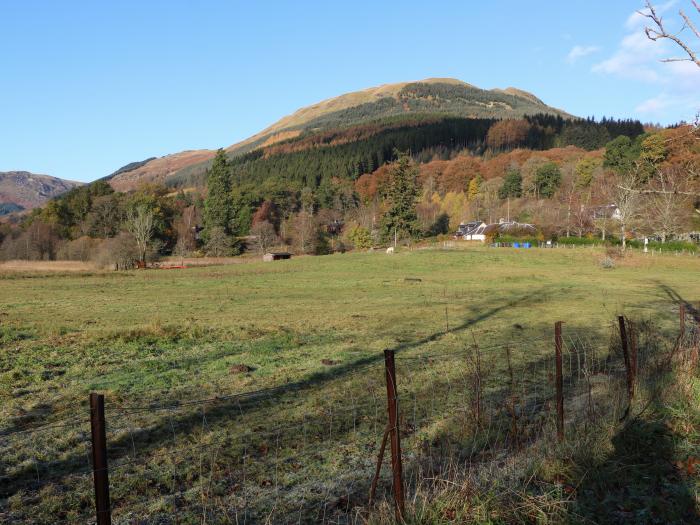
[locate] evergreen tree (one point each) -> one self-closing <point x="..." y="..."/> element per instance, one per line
<point x="547" y="179"/>
<point x="512" y="185"/>
<point x="218" y="206"/>
<point x="620" y="153"/>
<point x="402" y="194"/>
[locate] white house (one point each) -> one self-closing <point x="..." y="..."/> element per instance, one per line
<point x="478" y="230"/>
<point x="609" y="211"/>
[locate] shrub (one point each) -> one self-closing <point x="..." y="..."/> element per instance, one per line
<point x="607" y="263"/>
<point x="120" y="251"/>
<point x="360" y="237"/>
<point x="81" y="249"/>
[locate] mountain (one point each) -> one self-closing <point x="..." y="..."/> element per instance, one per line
<point x="22" y="190"/>
<point x="445" y="96"/>
<point x="424" y="100"/>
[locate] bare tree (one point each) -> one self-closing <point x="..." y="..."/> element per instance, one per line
<point x="219" y="242"/>
<point x="627" y="199"/>
<point x="140" y="222"/>
<point x="265" y="236"/>
<point x="305" y="231"/>
<point x="668" y="205"/>
<point x="659" y="31"/>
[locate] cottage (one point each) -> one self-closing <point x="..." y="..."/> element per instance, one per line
<point x="479" y="230"/>
<point x="276" y="256"/>
<point x="609" y="211"/>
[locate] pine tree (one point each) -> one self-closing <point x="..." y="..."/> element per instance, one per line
<point x="218" y="206"/>
<point x="402" y="194"/>
<point x="512" y="185"/>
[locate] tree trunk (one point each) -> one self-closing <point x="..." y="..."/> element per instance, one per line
<point x="624" y="237"/>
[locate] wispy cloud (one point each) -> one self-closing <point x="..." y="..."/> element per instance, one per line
<point x="638" y="58"/>
<point x="580" y="52"/>
<point x="634" y="58"/>
<point x="658" y="106"/>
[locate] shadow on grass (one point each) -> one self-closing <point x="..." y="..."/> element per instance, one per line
<point x="637" y="482"/>
<point x="239" y="405"/>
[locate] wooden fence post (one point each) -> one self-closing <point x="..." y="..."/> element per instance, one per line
<point x="559" y="381"/>
<point x="392" y="407"/>
<point x="99" y="459"/>
<point x="624" y="339"/>
<point x="681" y="314"/>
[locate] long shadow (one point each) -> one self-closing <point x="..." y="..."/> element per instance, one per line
<point x="637" y="482"/>
<point x="238" y="405"/>
<point x="677" y="298"/>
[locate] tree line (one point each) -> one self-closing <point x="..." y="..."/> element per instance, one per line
<point x="256" y="202"/>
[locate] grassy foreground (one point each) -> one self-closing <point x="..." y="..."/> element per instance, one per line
<point x="153" y="338"/>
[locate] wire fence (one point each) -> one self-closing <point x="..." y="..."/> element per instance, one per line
<point x="309" y="452"/>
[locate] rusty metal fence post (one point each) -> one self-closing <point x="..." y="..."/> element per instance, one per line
<point x="559" y="381"/>
<point x="395" y="441"/>
<point x="99" y="459"/>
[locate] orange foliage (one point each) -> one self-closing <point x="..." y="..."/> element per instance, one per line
<point x="369" y="185"/>
<point x="507" y="133"/>
<point x="451" y="175"/>
<point x="683" y="146"/>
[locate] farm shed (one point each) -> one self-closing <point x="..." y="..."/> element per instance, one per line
<point x="276" y="256"/>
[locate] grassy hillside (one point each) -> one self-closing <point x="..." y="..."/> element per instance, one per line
<point x="176" y="336"/>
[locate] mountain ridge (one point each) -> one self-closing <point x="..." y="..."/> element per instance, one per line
<point x="448" y="97"/>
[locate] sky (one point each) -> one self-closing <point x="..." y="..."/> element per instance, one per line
<point x="87" y="87"/>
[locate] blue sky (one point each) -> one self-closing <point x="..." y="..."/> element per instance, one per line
<point x="86" y="87"/>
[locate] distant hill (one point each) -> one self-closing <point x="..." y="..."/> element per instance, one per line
<point x="422" y="100"/>
<point x="156" y="170"/>
<point x="22" y="190"/>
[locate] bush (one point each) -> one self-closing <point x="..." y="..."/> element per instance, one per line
<point x="120" y="251"/>
<point x="607" y="263"/>
<point x="580" y="241"/>
<point x="360" y="237"/>
<point x="533" y="240"/>
<point x="81" y="249"/>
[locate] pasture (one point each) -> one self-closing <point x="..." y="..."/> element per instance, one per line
<point x="310" y="332"/>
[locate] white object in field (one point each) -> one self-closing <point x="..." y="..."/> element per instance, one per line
<point x="390" y="250"/>
<point x="646" y="244"/>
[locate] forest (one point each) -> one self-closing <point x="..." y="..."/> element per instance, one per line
<point x="342" y="188"/>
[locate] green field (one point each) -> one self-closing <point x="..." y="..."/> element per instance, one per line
<point x="157" y="338"/>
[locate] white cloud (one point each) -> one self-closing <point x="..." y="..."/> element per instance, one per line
<point x="654" y="105"/>
<point x="659" y="106"/>
<point x="580" y="52"/>
<point x="634" y="58"/>
<point x="640" y="59"/>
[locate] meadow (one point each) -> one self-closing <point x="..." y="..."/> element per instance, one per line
<point x="202" y="368"/>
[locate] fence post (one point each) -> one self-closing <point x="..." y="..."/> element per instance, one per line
<point x="626" y="354"/>
<point x="392" y="407"/>
<point x="559" y="381"/>
<point x="99" y="459"/>
<point x="681" y="313"/>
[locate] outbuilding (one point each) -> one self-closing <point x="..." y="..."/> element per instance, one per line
<point x="276" y="256"/>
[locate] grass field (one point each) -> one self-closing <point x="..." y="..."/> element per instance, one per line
<point x="312" y="324"/>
